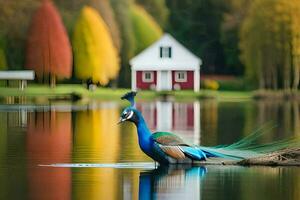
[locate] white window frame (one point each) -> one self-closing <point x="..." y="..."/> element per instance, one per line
<point x="165" y="52"/>
<point x="147" y="80"/>
<point x="180" y="80"/>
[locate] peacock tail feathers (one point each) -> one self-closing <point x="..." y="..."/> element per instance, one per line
<point x="248" y="148"/>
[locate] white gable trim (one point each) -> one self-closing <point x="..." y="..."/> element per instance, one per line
<point x="181" y="58"/>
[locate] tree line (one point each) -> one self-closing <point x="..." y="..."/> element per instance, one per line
<point x="258" y="39"/>
<point x="84" y="34"/>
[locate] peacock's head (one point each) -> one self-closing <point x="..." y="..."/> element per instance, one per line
<point x="129" y="114"/>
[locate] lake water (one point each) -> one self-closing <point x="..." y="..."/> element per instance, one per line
<point x="85" y="155"/>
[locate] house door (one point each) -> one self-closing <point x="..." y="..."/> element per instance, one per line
<point x="165" y="81"/>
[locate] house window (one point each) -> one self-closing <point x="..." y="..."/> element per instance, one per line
<point x="165" y="52"/>
<point x="148" y="77"/>
<point x="180" y="76"/>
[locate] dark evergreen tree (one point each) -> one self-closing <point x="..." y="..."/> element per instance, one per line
<point x="197" y="24"/>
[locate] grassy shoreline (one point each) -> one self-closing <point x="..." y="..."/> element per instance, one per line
<point x="42" y="93"/>
<point x="69" y="91"/>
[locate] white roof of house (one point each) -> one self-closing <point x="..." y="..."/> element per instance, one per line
<point x="182" y="58"/>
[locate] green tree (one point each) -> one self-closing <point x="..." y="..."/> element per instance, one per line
<point x="15" y="18"/>
<point x="95" y="55"/>
<point x="270" y="43"/>
<point x="197" y="25"/>
<point x="3" y="63"/>
<point x="158" y="9"/>
<point x="146" y="30"/>
<point x="121" y="8"/>
<point x="233" y="17"/>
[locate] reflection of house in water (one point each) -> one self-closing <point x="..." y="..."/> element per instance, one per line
<point x="181" y="118"/>
<point x="168" y="183"/>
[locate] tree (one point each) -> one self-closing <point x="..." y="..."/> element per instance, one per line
<point x="15" y="17"/>
<point x="121" y="8"/>
<point x="234" y="15"/>
<point x="106" y="12"/>
<point x="146" y="30"/>
<point x="48" y="47"/>
<point x="94" y="52"/>
<point x="158" y="9"/>
<point x="270" y="43"/>
<point x="197" y="25"/>
<point x="3" y="63"/>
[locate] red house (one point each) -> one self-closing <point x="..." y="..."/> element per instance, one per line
<point x="165" y="65"/>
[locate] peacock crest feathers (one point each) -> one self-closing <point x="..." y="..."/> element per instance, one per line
<point x="129" y="96"/>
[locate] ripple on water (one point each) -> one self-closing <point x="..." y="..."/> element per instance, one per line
<point x="135" y="165"/>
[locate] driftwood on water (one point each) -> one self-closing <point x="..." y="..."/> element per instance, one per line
<point x="286" y="157"/>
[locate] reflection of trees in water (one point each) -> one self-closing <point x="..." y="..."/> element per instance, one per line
<point x="96" y="140"/>
<point x="95" y="183"/>
<point x="270" y="183"/>
<point x="209" y="122"/>
<point x="226" y="122"/>
<point x="12" y="153"/>
<point x="3" y="136"/>
<point x="48" y="141"/>
<point x="131" y="151"/>
<point x="96" y="135"/>
<point x="284" y="114"/>
<point x="245" y="183"/>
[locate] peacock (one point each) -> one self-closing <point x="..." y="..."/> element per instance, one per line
<point x="167" y="148"/>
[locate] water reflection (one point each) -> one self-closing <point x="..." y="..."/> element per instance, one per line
<point x="182" y="118"/>
<point x="174" y="182"/>
<point x="87" y="133"/>
<point x="215" y="182"/>
<point x="96" y="135"/>
<point x="49" y="141"/>
<point x="226" y="122"/>
<point x="96" y="140"/>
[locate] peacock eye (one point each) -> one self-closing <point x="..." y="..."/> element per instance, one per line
<point x="125" y="114"/>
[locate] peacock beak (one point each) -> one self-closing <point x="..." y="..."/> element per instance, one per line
<point x="121" y="120"/>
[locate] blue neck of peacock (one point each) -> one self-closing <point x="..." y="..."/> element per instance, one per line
<point x="144" y="135"/>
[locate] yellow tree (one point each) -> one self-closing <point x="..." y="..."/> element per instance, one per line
<point x="295" y="32"/>
<point x="95" y="54"/>
<point x="106" y="12"/>
<point x="257" y="43"/>
<point x="145" y="28"/>
<point x="270" y="43"/>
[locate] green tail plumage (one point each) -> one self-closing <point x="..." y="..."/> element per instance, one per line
<point x="247" y="148"/>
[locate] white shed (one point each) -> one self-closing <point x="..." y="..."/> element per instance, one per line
<point x="165" y="65"/>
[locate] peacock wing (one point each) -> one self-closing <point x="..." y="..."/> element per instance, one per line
<point x="173" y="151"/>
<point x="168" y="139"/>
<point x="170" y="144"/>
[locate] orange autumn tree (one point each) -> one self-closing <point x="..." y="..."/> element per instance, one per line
<point x="49" y="51"/>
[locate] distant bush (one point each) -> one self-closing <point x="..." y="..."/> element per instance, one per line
<point x="210" y="84"/>
<point x="232" y="84"/>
